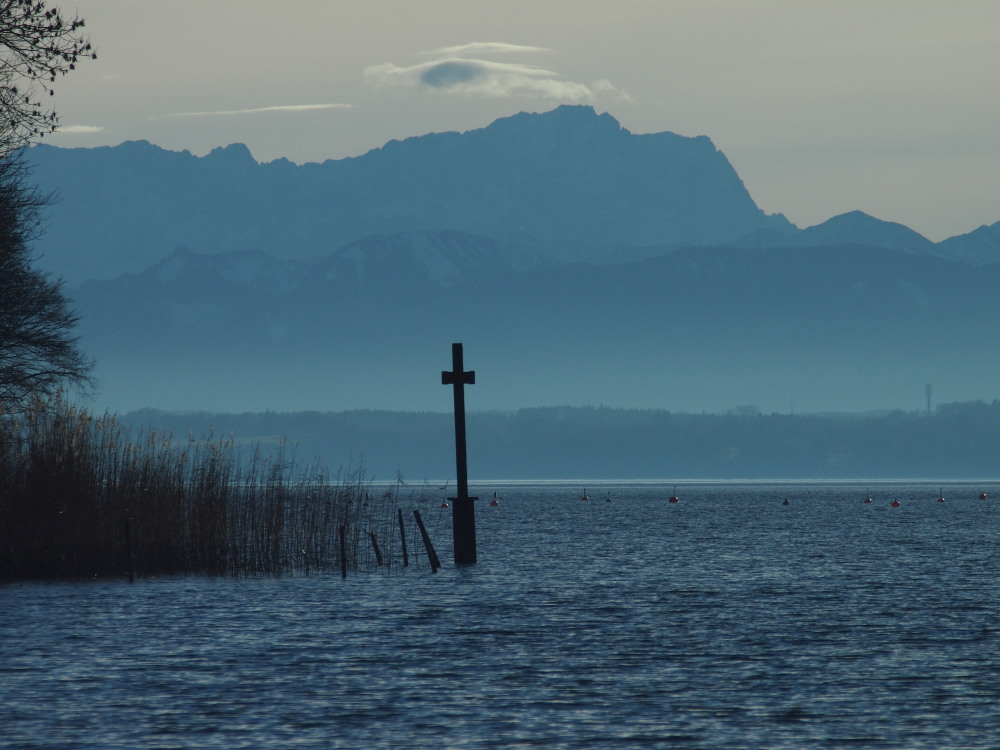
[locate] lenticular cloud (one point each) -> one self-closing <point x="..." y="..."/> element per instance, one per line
<point x="485" y="48"/>
<point x="480" y="78"/>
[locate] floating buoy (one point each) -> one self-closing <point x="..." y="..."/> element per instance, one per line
<point x="786" y="502"/>
<point x="609" y="498"/>
<point x="494" y="503"/>
<point x="444" y="504"/>
<point x="895" y="503"/>
<point x="673" y="498"/>
<point x="982" y="495"/>
<point x="868" y="501"/>
<point x="585" y="497"/>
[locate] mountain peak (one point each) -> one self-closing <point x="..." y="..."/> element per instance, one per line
<point x="857" y="227"/>
<point x="567" y="120"/>
<point x="234" y="153"/>
<point x="980" y="246"/>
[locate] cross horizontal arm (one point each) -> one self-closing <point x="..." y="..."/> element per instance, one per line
<point x="453" y="378"/>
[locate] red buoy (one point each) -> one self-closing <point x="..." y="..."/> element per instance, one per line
<point x="868" y="501"/>
<point x="444" y="505"/>
<point x="895" y="503"/>
<point x="494" y="503"/>
<point x="673" y="499"/>
<point x="982" y="495"/>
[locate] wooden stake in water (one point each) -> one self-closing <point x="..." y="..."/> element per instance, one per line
<point x="128" y="549"/>
<point x="343" y="552"/>
<point x="402" y="538"/>
<point x="378" y="552"/>
<point x="463" y="515"/>
<point x="431" y="554"/>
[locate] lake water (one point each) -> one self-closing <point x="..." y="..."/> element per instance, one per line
<point x="727" y="620"/>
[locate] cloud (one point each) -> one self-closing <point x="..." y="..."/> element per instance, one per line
<point x="80" y="129"/>
<point x="485" y="48"/>
<point x="465" y="70"/>
<point x="604" y="86"/>
<point x="483" y="78"/>
<point x="256" y="110"/>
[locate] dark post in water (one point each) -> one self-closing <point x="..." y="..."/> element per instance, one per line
<point x="463" y="516"/>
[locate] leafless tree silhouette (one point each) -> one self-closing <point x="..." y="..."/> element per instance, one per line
<point x="38" y="351"/>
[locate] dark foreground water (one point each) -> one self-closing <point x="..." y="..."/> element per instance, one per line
<point x="728" y="620"/>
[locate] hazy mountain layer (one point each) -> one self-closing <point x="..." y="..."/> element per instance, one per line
<point x="842" y="327"/>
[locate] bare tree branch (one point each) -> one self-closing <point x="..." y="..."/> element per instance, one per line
<point x="37" y="46"/>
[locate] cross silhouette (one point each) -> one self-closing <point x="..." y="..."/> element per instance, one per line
<point x="463" y="519"/>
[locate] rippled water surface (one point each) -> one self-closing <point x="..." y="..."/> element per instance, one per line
<point x="728" y="620"/>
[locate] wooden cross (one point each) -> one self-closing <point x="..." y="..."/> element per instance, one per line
<point x="463" y="513"/>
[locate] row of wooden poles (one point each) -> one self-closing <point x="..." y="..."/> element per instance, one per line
<point x="432" y="557"/>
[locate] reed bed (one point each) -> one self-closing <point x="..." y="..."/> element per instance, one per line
<point x="84" y="497"/>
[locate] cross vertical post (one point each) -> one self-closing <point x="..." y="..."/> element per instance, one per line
<point x="463" y="516"/>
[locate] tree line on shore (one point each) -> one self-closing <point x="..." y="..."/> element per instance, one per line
<point x="955" y="441"/>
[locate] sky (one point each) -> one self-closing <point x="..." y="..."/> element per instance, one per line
<point x="890" y="107"/>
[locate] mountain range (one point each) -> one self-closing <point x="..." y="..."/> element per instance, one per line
<point x="568" y="180"/>
<point x="578" y="262"/>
